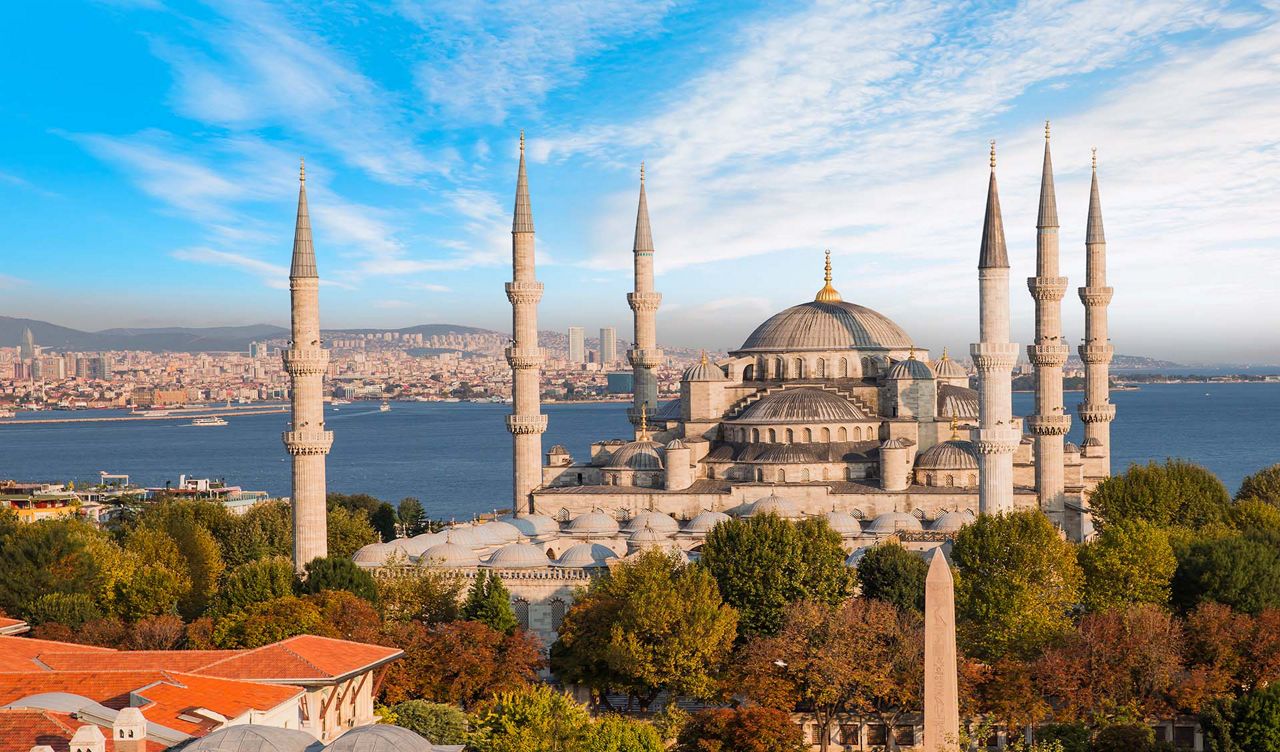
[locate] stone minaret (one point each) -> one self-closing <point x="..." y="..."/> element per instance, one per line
<point x="305" y="361"/>
<point x="994" y="357"/>
<point x="526" y="422"/>
<point x="1096" y="411"/>
<point x="645" y="356"/>
<point x="1049" y="352"/>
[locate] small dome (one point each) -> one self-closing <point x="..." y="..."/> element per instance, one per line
<point x="380" y="738"/>
<point x="704" y="371"/>
<point x="419" y="543"/>
<point x="586" y="556"/>
<point x="910" y="369"/>
<point x="663" y="523"/>
<point x="466" y="535"/>
<point x="374" y="555"/>
<point x="558" y="449"/>
<point x="897" y="443"/>
<point x="517" y="556"/>
<point x="648" y="535"/>
<point x="533" y="525"/>
<point x="255" y="739"/>
<point x="449" y="555"/>
<point x="640" y="454"/>
<point x="704" y="522"/>
<point x="949" y="455"/>
<point x="1091" y="443"/>
<point x="845" y="524"/>
<point x="774" y="504"/>
<point x="676" y="444"/>
<point x="1071" y="448"/>
<point x="596" y="524"/>
<point x="894" y="522"/>
<point x="951" y="521"/>
<point x="801" y="405"/>
<point x="946" y="368"/>
<point x="501" y="531"/>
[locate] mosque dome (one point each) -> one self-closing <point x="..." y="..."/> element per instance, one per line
<point x="586" y="556"/>
<point x="703" y="522"/>
<point x="449" y="555"/>
<point x="503" y="532"/>
<point x="640" y="454"/>
<point x="532" y="525"/>
<point x="596" y="524"/>
<point x="255" y="739"/>
<point x="380" y="738"/>
<point x="676" y="444"/>
<point x="820" y="325"/>
<point x="844" y="523"/>
<point x="894" y="522"/>
<point x="419" y="543"/>
<point x="946" y="368"/>
<point x="704" y="371"/>
<point x="373" y="554"/>
<point x="949" y="455"/>
<point x="951" y="521"/>
<point x="663" y="523"/>
<point x="1070" y="448"/>
<point x="466" y="535"/>
<point x="517" y="556"/>
<point x="910" y="369"/>
<point x="774" y="504"/>
<point x="801" y="405"/>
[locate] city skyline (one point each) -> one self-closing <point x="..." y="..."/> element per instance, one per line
<point x="184" y="180"/>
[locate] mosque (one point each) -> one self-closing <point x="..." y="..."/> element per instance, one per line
<point x="828" y="408"/>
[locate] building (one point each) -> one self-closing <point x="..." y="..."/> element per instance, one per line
<point x="577" y="345"/>
<point x="608" y="346"/>
<point x="27" y="350"/>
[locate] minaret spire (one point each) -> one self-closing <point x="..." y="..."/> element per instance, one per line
<point x="526" y="422"/>
<point x="306" y="360"/>
<point x="1097" y="411"/>
<point x="1050" y="423"/>
<point x="644" y="301"/>
<point x="994" y="355"/>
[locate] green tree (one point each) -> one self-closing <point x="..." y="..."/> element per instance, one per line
<point x="1263" y="485"/>
<point x="1129" y="562"/>
<point x="1016" y="584"/>
<point x="1256" y="517"/>
<point x="336" y="573"/>
<point x="1257" y="720"/>
<point x="652" y="624"/>
<point x="1126" y="737"/>
<point x="253" y="583"/>
<point x="41" y="558"/>
<point x="763" y="563"/>
<point x="614" y="733"/>
<point x="384" y="521"/>
<point x="1241" y="571"/>
<point x="412" y="517"/>
<point x="348" y="533"/>
<point x="69" y="609"/>
<point x="429" y="597"/>
<point x="149" y="591"/>
<point x="268" y="622"/>
<point x="1174" y="494"/>
<point x="265" y="530"/>
<point x="1072" y="737"/>
<point x="535" y="719"/>
<point x="744" y="729"/>
<point x="434" y="721"/>
<point x="489" y="602"/>
<point x="890" y="573"/>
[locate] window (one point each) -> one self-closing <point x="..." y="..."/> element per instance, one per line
<point x="842" y="434"/>
<point x="844" y="368"/>
<point x="799" y="365"/>
<point x="760" y="474"/>
<point x="521" y="607"/>
<point x="755" y="435"/>
<point x="928" y="479"/>
<point x="821" y="369"/>
<point x="557" y="613"/>
<point x="857" y="433"/>
<point x="773" y="436"/>
<point x="804" y="475"/>
<point x="849" y="734"/>
<point x="951" y="481"/>
<point x="876" y="736"/>
<point x="790" y="436"/>
<point x="777" y="368"/>
<point x="808" y="435"/>
<point x="904" y="735"/>
<point x="749" y="373"/>
<point x="826" y="435"/>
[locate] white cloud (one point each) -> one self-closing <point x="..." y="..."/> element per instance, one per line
<point x="272" y="275"/>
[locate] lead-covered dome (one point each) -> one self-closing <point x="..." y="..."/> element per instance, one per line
<point x="640" y="454"/>
<point x="819" y="325"/>
<point x="910" y="370"/>
<point x="380" y="738"/>
<point x="801" y="405"/>
<point x="517" y="556"/>
<point x="949" y="455"/>
<point x="247" y="738"/>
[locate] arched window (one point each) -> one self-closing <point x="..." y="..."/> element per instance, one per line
<point x="842" y="434"/>
<point x="951" y="481"/>
<point x="749" y="373"/>
<point x="773" y="436"/>
<point x="857" y="433"/>
<point x="804" y="475"/>
<point x="868" y="367"/>
<point x="711" y="472"/>
<point x="777" y="368"/>
<point x="821" y="368"/>
<point x="521" y="607"/>
<point x="928" y="479"/>
<point x="760" y="474"/>
<point x="973" y="480"/>
<point x="808" y="435"/>
<point x="826" y="435"/>
<point x="844" y="368"/>
<point x="557" y="613"/>
<point x="790" y="436"/>
<point x="799" y="366"/>
<point x="755" y="435"/>
<point x="782" y="476"/>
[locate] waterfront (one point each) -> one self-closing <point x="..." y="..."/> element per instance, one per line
<point x="456" y="457"/>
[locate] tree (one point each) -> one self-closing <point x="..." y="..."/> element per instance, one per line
<point x="164" y="632"/>
<point x="1129" y="562"/>
<point x="1125" y="737"/>
<point x="348" y="532"/>
<point x="890" y="573"/>
<point x="1073" y="737"/>
<point x="488" y="602"/>
<point x="1175" y="494"/>
<point x="412" y="517"/>
<point x="336" y="573"/>
<point x="436" y="722"/>
<point x="745" y="729"/>
<point x="70" y="609"/>
<point x="1241" y="571"/>
<point x="430" y="597"/>
<point x="1017" y="581"/>
<point x="1263" y="485"/>
<point x="264" y="531"/>
<point x="1228" y="653"/>
<point x="614" y="733"/>
<point x="384" y="521"/>
<point x="461" y="662"/>
<point x="268" y="622"/>
<point x="347" y="616"/>
<point x="149" y="591"/>
<point x="1256" y="726"/>
<point x="763" y="563"/>
<point x="254" y="583"/>
<point x="42" y="558"/>
<point x="533" y="719"/>
<point x="1008" y="692"/>
<point x="652" y="624"/>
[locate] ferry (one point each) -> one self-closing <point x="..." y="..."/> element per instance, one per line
<point x="385" y="407"/>
<point x="212" y="420"/>
<point x="151" y="413"/>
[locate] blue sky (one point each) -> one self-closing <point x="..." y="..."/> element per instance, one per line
<point x="148" y="172"/>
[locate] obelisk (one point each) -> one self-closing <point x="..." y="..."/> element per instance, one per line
<point x="941" y="693"/>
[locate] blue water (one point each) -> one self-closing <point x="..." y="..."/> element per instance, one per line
<point x="456" y="457"/>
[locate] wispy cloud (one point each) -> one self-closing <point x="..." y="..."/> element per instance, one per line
<point x="272" y="275"/>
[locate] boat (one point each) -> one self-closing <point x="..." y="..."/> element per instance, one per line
<point x="7" y="413"/>
<point x="384" y="407"/>
<point x="212" y="420"/>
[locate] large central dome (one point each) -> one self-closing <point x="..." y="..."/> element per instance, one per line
<point x="826" y="326"/>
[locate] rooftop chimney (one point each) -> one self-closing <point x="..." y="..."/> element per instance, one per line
<point x="129" y="731"/>
<point x="88" y="739"/>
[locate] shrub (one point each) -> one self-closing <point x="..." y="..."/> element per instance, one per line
<point x="335" y="573"/>
<point x="437" y="722"/>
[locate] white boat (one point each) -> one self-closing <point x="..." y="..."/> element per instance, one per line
<point x="210" y="421"/>
<point x="385" y="407"/>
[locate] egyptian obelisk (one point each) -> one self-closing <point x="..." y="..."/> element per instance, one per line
<point x="941" y="694"/>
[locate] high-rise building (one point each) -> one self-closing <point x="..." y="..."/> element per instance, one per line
<point x="257" y="350"/>
<point x="577" y="345"/>
<point x="28" y="349"/>
<point x="608" y="345"/>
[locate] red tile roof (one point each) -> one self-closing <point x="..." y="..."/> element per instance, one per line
<point x="304" y="659"/>
<point x="12" y="626"/>
<point x="21" y="729"/>
<point x="19" y="653"/>
<point x="134" y="660"/>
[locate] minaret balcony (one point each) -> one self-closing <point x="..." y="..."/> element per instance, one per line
<point x="1103" y="413"/>
<point x="524" y="293"/>
<point x="1096" y="354"/>
<point x="1096" y="296"/>
<point x="303" y="361"/>
<point x="993" y="356"/>
<point x="997" y="440"/>
<point x="526" y="424"/>
<point x="525" y="357"/>
<point x="645" y="358"/>
<point x="1048" y="425"/>
<point x="1047" y="288"/>
<point x="308" y="442"/>
<point x="1049" y="356"/>
<point x="644" y="301"/>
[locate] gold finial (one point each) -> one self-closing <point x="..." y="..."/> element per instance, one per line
<point x="1095" y="157"/>
<point x="944" y="354"/>
<point x="704" y="357"/>
<point x="302" y="169"/>
<point x="522" y="141"/>
<point x="644" y="421"/>
<point x="912" y="356"/>
<point x="1046" y="130"/>
<point x="642" y="171"/>
<point x="993" y="153"/>
<point x="955" y="429"/>
<point x="827" y="294"/>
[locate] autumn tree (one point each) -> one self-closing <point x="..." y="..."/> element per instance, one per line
<point x="1263" y="485"/>
<point x="1129" y="562"/>
<point x="890" y="573"/>
<point x="743" y="729"/>
<point x="650" y="625"/>
<point x="263" y="531"/>
<point x="615" y="733"/>
<point x="1174" y="494"/>
<point x="763" y="563"/>
<point x="1016" y="584"/>
<point x="461" y="662"/>
<point x="348" y="533"/>
<point x="347" y="616"/>
<point x="489" y="602"/>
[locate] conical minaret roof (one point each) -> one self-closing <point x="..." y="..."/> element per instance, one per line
<point x="1093" y="230"/>
<point x="993" y="254"/>
<point x="1048" y="216"/>
<point x="644" y="235"/>
<point x="523" y="220"/>
<point x="304" y="254"/>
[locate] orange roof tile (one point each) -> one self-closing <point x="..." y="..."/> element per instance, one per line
<point x="19" y="653"/>
<point x="134" y="660"/>
<point x="303" y="659"/>
<point x="22" y="729"/>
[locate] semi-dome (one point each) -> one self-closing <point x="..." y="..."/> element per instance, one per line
<point x="894" y="522"/>
<point x="910" y="369"/>
<point x="594" y="523"/>
<point x="816" y="325"/>
<point x="641" y="454"/>
<point x="703" y="522"/>
<point x="449" y="555"/>
<point x="517" y="556"/>
<point x="801" y="405"/>
<point x="255" y="739"/>
<point x="586" y="556"/>
<point x="380" y="738"/>
<point x="663" y="523"/>
<point x="951" y="522"/>
<point x="532" y="525"/>
<point x="774" y="504"/>
<point x="844" y="523"/>
<point x="949" y="455"/>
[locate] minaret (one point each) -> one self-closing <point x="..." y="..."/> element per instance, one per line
<point x="1049" y="352"/>
<point x="526" y="422"/>
<point x="305" y="361"/>
<point x="1096" y="411"/>
<point x="645" y="355"/>
<point x="994" y="356"/>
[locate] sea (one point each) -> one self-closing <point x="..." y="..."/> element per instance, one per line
<point x="456" y="457"/>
